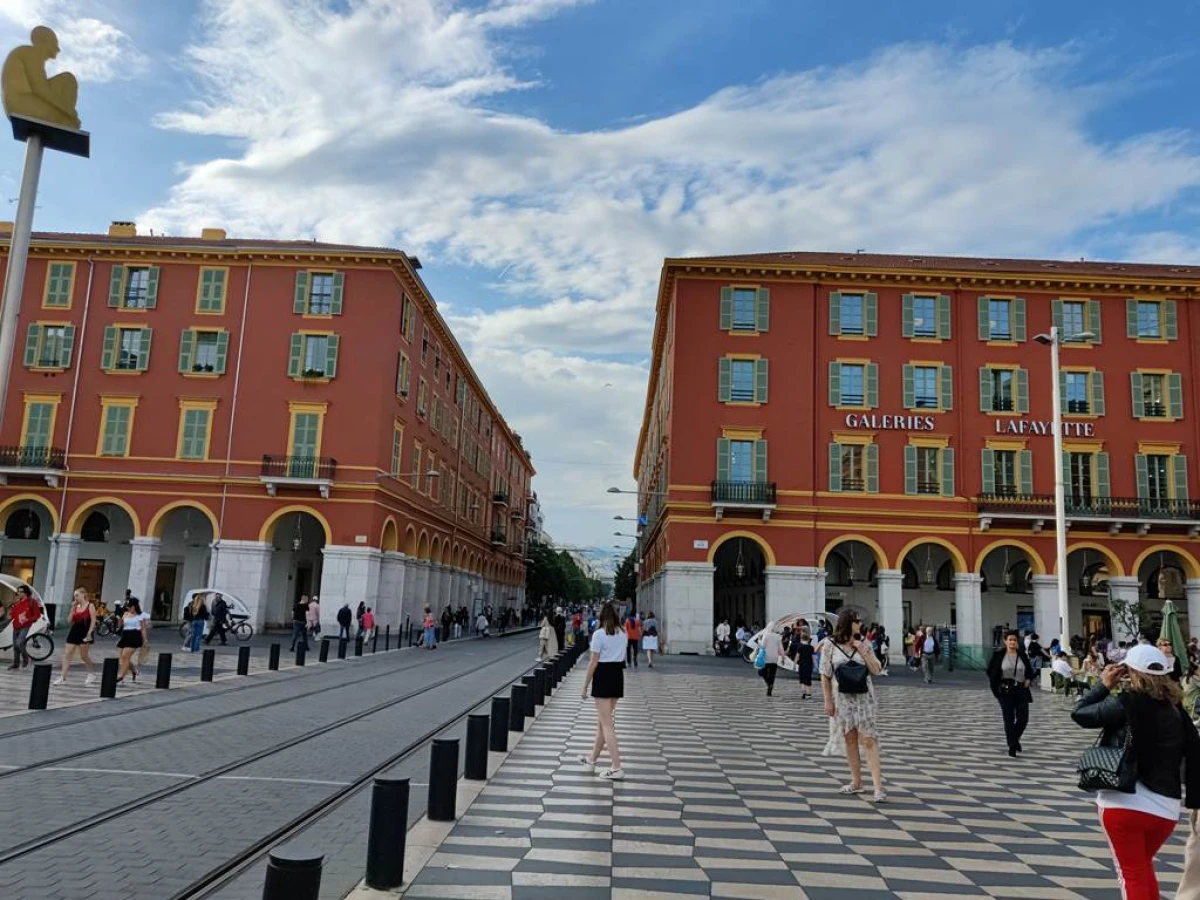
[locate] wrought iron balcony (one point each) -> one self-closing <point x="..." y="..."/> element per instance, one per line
<point x="929" y="487"/>
<point x="298" y="471"/>
<point x="500" y="498"/>
<point x="756" y="495"/>
<point x="32" y="462"/>
<point x="1141" y="512"/>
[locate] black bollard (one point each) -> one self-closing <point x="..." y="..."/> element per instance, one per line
<point x="549" y="670"/>
<point x="374" y="640"/>
<point x="207" y="660"/>
<point x="342" y="648"/>
<point x="293" y="874"/>
<point x="387" y="638"/>
<point x="108" y="677"/>
<point x="39" y="688"/>
<point x="539" y="686"/>
<point x="530" y="702"/>
<point x="358" y="644"/>
<point x="499" y="740"/>
<point x="387" y="833"/>
<point x="443" y="779"/>
<point x="323" y="653"/>
<point x="516" y="708"/>
<point x="243" y="661"/>
<point x="273" y="658"/>
<point x="477" y="744"/>
<point x="301" y="652"/>
<point x="162" y="678"/>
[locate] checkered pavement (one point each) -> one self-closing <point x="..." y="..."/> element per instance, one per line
<point x="727" y="795"/>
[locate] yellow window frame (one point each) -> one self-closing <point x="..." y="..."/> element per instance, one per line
<point x="1165" y="373"/>
<point x="200" y="290"/>
<point x="46" y="304"/>
<point x="308" y="291"/>
<point x="300" y="407"/>
<point x="42" y="326"/>
<point x="185" y="406"/>
<point x="929" y="364"/>
<point x="29" y="400"/>
<point x="1089" y="371"/>
<point x="107" y="402"/>
<point x="397" y="446"/>
<point x="855" y="361"/>
<point x="743" y="332"/>
<point x="418" y="458"/>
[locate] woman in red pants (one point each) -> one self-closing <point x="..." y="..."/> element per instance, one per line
<point x="1139" y="821"/>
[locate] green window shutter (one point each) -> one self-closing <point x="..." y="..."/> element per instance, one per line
<point x="947" y="471"/>
<point x="762" y="310"/>
<point x="115" y="283"/>
<point x="722" y="459"/>
<point x="32" y="337"/>
<point x="1056" y="315"/>
<point x="835" y="384"/>
<point x="871" y="457"/>
<point x="910" y="394"/>
<point x="1097" y="384"/>
<point x="724" y="378"/>
<point x="1175" y="394"/>
<point x="1094" y="323"/>
<point x="760" y="461"/>
<point x="1102" y="482"/>
<point x="68" y="347"/>
<point x="872" y="377"/>
<point x="107" y="356"/>
<point x="1062" y="388"/>
<point x="947" y="392"/>
<point x="835" y="467"/>
<point x="1179" y="474"/>
<point x="1022" y="380"/>
<point x="760" y="380"/>
<point x="835" y="312"/>
<point x="1131" y="322"/>
<point x="726" y="308"/>
<point x="985" y="319"/>
<point x="910" y="469"/>
<point x="987" y="464"/>
<point x="1025" y="460"/>
<point x="152" y="287"/>
<point x="943" y="305"/>
<point x="985" y="389"/>
<point x="339" y="290"/>
<point x="1170" y="320"/>
<point x="187" y="348"/>
<point x="871" y="313"/>
<point x="144" y="353"/>
<point x="300" y="298"/>
<point x="1142" y="467"/>
<point x="1018" y="311"/>
<point x="37" y="425"/>
<point x="296" y="355"/>
<point x="1135" y="388"/>
<point x="906" y="316"/>
<point x="222" y="352"/>
<point x="331" y="355"/>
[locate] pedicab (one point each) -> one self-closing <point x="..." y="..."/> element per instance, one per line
<point x="239" y="614"/>
<point x="39" y="643"/>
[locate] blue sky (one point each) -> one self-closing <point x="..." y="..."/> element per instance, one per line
<point x="543" y="156"/>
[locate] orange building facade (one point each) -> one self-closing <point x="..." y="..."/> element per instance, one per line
<point x="266" y="418"/>
<point x="826" y="429"/>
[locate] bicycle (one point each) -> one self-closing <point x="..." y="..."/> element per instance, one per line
<point x="239" y="627"/>
<point x="38" y="643"/>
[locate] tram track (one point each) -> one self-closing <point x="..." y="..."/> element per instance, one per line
<point x="47" y="840"/>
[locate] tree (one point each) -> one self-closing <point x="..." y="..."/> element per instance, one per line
<point x="625" y="583"/>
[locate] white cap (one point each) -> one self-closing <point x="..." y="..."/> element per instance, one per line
<point x="1148" y="659"/>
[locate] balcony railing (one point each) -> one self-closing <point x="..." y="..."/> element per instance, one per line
<point x="500" y="498"/>
<point x="1002" y="404"/>
<point x="499" y="538"/>
<point x="298" y="471"/>
<point x="33" y="462"/>
<point x="1155" y="411"/>
<point x="929" y="487"/>
<point x="733" y="493"/>
<point x="1078" y="407"/>
<point x="1120" y="508"/>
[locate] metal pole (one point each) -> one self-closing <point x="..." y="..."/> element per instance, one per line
<point x="1060" y="501"/>
<point x="162" y="678"/>
<point x="207" y="661"/>
<point x="387" y="833"/>
<point x="18" y="255"/>
<point x="477" y="745"/>
<point x="39" y="687"/>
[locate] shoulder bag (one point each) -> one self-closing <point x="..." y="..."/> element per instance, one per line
<point x="1109" y="764"/>
<point x="851" y="676"/>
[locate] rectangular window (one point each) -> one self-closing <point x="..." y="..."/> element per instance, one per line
<point x="137" y="288"/>
<point x="205" y="352"/>
<point x="316" y="351"/>
<point x="129" y="349"/>
<point x="852" y="384"/>
<point x="304" y="444"/>
<point x="1081" y="489"/>
<point x="1149" y="324"/>
<point x="1076" y="393"/>
<point x="1002" y="390"/>
<point x="397" y="448"/>
<point x="422" y="396"/>
<point x="745" y="301"/>
<point x="320" y="294"/>
<point x="741" y="380"/>
<point x="741" y="461"/>
<point x="38" y="430"/>
<point x="211" y="298"/>
<point x="924" y="316"/>
<point x="1074" y="317"/>
<point x="424" y="345"/>
<point x="403" y="374"/>
<point x="928" y="473"/>
<point x="1158" y="480"/>
<point x="408" y="315"/>
<point x="1154" y="395"/>
<point x="116" y="424"/>
<point x="852" y="313"/>
<point x="53" y="343"/>
<point x="853" y="476"/>
<point x="59" y="283"/>
<point x="193" y="432"/>
<point x="1000" y="320"/>
<point x="418" y="452"/>
<point x="925" y="386"/>
<point x="1004" y="472"/>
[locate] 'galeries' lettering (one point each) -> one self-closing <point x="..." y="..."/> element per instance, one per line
<point x="889" y="422"/>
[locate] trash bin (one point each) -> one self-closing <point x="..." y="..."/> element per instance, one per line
<point x="52" y="613"/>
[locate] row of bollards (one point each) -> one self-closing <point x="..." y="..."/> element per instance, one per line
<point x="294" y="871"/>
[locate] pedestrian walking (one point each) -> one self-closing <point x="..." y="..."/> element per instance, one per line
<point x="24" y="613"/>
<point x="927" y="650"/>
<point x="197" y="613"/>
<point x="220" y="620"/>
<point x="359" y="613"/>
<point x="344" y="617"/>
<point x="481" y="625"/>
<point x="429" y="630"/>
<point x="82" y="622"/>
<point x="1010" y="674"/>
<point x="847" y="665"/>
<point x="144" y="650"/>
<point x="299" y="622"/>
<point x="547" y="641"/>
<point x="769" y="654"/>
<point x="650" y="638"/>
<point x="801" y="652"/>
<point x="633" y="631"/>
<point x="1138" y="817"/>
<point x="133" y="636"/>
<point x="312" y="618"/>
<point x="366" y="627"/>
<point x="606" y="678"/>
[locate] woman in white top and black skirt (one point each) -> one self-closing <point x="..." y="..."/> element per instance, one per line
<point x="606" y="677"/>
<point x="133" y="635"/>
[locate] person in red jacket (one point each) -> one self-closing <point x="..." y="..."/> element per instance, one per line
<point x="24" y="613"/>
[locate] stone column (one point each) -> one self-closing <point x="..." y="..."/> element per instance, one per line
<point x="420" y="590"/>
<point x="890" y="588"/>
<point x="64" y="559"/>
<point x="433" y="590"/>
<point x="243" y="568"/>
<point x="968" y="602"/>
<point x="794" y="589"/>
<point x="685" y="607"/>
<point x="143" y="568"/>
<point x="1045" y="607"/>
<point x="391" y="591"/>
<point x="1193" y="607"/>
<point x="446" y="588"/>
<point x="1128" y="591"/>
<point x="349" y="575"/>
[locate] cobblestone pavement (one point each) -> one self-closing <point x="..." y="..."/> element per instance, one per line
<point x="727" y="795"/>
<point x="133" y="748"/>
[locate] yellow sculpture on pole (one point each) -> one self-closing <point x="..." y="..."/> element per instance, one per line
<point x="26" y="90"/>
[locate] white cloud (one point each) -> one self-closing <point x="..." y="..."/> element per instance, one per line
<point x="93" y="48"/>
<point x="373" y="124"/>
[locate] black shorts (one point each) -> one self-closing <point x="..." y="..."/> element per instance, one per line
<point x="79" y="632"/>
<point x="608" y="683"/>
<point x="130" y="639"/>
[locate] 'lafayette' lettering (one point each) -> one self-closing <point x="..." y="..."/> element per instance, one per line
<point x="1003" y="426"/>
<point x="889" y="423"/>
<point x="1035" y="426"/>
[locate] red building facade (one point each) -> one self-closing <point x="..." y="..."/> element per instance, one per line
<point x="261" y="417"/>
<point x="825" y="429"/>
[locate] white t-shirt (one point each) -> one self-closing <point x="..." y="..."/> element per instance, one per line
<point x="1062" y="667"/>
<point x="722" y="632"/>
<point x="611" y="647"/>
<point x="928" y="648"/>
<point x="1141" y="800"/>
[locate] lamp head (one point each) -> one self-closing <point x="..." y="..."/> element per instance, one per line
<point x="1044" y="339"/>
<point x="614" y="490"/>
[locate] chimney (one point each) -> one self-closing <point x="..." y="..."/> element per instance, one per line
<point x="122" y="229"/>
<point x="6" y="227"/>
<point x="212" y="234"/>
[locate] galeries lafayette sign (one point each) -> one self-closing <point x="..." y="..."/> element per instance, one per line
<point x="889" y="422"/>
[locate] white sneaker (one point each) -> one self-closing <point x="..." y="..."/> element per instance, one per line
<point x="186" y="647"/>
<point x="613" y="774"/>
<point x="60" y="680"/>
<point x="91" y="679"/>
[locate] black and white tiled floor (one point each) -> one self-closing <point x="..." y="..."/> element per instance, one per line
<point x="727" y="795"/>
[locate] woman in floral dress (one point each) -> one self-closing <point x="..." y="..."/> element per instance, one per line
<point x="847" y="664"/>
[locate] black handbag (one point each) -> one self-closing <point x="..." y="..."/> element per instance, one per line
<point x="1109" y="765"/>
<point x="851" y="676"/>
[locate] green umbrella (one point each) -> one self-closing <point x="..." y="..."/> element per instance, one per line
<point x="1171" y="631"/>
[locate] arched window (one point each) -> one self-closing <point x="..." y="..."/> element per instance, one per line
<point x="95" y="528"/>
<point x="23" y="525"/>
<point x="1019" y="578"/>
